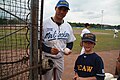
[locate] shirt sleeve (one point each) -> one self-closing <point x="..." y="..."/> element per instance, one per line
<point x="70" y="45"/>
<point x="71" y="37"/>
<point x="75" y="66"/>
<point x="100" y="74"/>
<point x="44" y="47"/>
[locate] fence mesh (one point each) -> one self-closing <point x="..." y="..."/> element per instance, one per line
<point x="14" y="39"/>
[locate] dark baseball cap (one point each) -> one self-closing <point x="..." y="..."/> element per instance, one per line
<point x="89" y="37"/>
<point x="63" y="3"/>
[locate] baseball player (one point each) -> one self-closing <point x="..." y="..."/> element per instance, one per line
<point x="89" y="66"/>
<point x="115" y="33"/>
<point x="58" y="40"/>
<point x="85" y="30"/>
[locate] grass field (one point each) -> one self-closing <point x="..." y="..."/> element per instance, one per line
<point x="13" y="39"/>
<point x="105" y="40"/>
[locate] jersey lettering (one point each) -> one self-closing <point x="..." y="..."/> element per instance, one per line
<point x="85" y="68"/>
<point x="55" y="35"/>
<point x="64" y="34"/>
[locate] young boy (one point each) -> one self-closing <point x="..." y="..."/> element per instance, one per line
<point x="85" y="30"/>
<point x="89" y="66"/>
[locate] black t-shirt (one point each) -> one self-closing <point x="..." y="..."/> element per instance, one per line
<point x="89" y="65"/>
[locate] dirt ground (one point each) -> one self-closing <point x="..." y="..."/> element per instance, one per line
<point x="109" y="59"/>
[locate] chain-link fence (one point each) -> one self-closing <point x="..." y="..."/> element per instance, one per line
<point x="15" y="39"/>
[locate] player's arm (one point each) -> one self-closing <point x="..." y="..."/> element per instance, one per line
<point x="70" y="45"/>
<point x="53" y="51"/>
<point x="68" y="49"/>
<point x="44" y="47"/>
<point x="47" y="49"/>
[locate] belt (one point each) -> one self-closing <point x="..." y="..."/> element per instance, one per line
<point x="52" y="57"/>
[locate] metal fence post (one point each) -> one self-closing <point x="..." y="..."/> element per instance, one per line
<point x="41" y="27"/>
<point x="34" y="39"/>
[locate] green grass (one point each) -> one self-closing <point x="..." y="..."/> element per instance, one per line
<point x="14" y="41"/>
<point x="105" y="42"/>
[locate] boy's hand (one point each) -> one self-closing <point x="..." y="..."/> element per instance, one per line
<point x="75" y="76"/>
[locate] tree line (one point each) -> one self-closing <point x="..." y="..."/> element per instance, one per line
<point x="96" y="26"/>
<point x="4" y="21"/>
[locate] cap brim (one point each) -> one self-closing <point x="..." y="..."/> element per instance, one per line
<point x="63" y="6"/>
<point x="88" y="40"/>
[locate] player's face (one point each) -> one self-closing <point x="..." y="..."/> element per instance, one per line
<point x="61" y="12"/>
<point x="88" y="46"/>
<point x="88" y="26"/>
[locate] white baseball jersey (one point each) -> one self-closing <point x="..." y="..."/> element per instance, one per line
<point x="85" y="30"/>
<point x="116" y="31"/>
<point x="57" y="36"/>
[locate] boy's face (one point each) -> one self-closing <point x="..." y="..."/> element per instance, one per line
<point x="88" y="46"/>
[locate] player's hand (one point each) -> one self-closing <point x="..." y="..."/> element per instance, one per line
<point x="67" y="51"/>
<point x="54" y="51"/>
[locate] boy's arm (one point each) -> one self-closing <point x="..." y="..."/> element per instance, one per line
<point x="87" y="78"/>
<point x="100" y="74"/>
<point x="76" y="77"/>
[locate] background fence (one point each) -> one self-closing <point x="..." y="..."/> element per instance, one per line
<point x="16" y="32"/>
